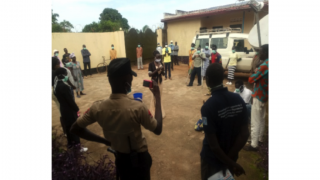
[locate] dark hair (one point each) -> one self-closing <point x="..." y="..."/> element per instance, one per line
<point x="83" y="45"/>
<point x="215" y="73"/>
<point x="240" y="82"/>
<point x="111" y="44"/>
<point x="155" y="53"/>
<point x="199" y="46"/>
<point x="192" y="44"/>
<point x="213" y="45"/>
<point x="60" y="72"/>
<point x="55" y="61"/>
<point x="207" y="43"/>
<point x="265" y="48"/>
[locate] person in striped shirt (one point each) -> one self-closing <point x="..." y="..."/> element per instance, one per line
<point x="260" y="98"/>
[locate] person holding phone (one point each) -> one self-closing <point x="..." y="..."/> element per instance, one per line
<point x="156" y="71"/>
<point x="120" y="118"/>
<point x="197" y="58"/>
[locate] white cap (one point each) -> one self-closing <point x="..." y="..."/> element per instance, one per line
<point x="171" y="41"/>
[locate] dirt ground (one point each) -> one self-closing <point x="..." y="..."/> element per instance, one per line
<point x="176" y="152"/>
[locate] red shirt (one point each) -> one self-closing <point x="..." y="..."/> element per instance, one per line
<point x="215" y="58"/>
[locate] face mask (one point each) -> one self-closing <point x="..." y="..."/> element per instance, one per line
<point x="257" y="53"/>
<point x="138" y="45"/>
<point x="112" y="47"/>
<point x="237" y="90"/>
<point x="166" y="45"/>
<point x="207" y="47"/>
<point x="84" y="48"/>
<point x="198" y="52"/>
<point x="192" y="48"/>
<point x="158" y="60"/>
<point x="233" y="51"/>
<point x="128" y="91"/>
<point x="65" y="79"/>
<point x="213" y="51"/>
<point x="56" y="54"/>
<point x="171" y="43"/>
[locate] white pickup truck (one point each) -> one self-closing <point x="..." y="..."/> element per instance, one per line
<point x="224" y="39"/>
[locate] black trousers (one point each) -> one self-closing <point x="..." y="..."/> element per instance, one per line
<point x="172" y="62"/>
<point x="128" y="172"/>
<point x="195" y="71"/>
<point x="207" y="170"/>
<point x="167" y="68"/>
<point x="85" y="68"/>
<point x="175" y="60"/>
<point x="67" y="121"/>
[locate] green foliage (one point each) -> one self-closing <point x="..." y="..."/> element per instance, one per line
<point x="64" y="26"/>
<point x="93" y="27"/>
<point x="110" y="20"/>
<point x="145" y="28"/>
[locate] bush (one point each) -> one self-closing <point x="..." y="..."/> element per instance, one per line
<point x="72" y="164"/>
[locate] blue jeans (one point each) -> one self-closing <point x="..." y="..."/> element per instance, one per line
<point x="248" y="105"/>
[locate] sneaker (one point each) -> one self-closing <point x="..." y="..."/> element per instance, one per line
<point x="78" y="96"/>
<point x="84" y="149"/>
<point x="250" y="148"/>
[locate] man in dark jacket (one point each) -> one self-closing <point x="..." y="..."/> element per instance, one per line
<point x="86" y="60"/>
<point x="68" y="106"/>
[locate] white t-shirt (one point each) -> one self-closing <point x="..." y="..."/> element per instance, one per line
<point x="245" y="94"/>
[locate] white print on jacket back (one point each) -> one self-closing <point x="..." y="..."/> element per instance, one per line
<point x="230" y="111"/>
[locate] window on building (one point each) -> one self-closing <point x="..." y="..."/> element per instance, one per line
<point x="203" y="29"/>
<point x="217" y="27"/>
<point x="221" y="43"/>
<point x="201" y="42"/>
<point x="236" y="26"/>
<point x="242" y="45"/>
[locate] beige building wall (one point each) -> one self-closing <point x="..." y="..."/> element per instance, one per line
<point x="183" y="32"/>
<point x="98" y="44"/>
<point x="159" y="37"/>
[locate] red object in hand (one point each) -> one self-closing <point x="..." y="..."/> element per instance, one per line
<point x="147" y="83"/>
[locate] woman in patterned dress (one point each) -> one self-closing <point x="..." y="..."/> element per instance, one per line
<point x="77" y="75"/>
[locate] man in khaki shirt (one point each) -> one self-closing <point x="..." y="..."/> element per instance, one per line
<point x="113" y="53"/>
<point x="121" y="118"/>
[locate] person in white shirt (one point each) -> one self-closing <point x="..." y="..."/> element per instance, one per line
<point x="245" y="94"/>
<point x="159" y="49"/>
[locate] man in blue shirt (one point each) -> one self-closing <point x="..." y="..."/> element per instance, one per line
<point x="225" y="125"/>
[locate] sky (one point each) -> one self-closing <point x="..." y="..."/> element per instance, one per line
<point x="138" y="13"/>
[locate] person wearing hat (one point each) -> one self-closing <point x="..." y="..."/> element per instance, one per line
<point x="86" y="60"/>
<point x="113" y="53"/>
<point x="159" y="49"/>
<point x="77" y="74"/>
<point x="171" y="46"/>
<point x="56" y="54"/>
<point x="139" y="51"/>
<point x="68" y="106"/>
<point x="121" y="118"/>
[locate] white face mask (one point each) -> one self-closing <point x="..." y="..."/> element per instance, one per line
<point x="158" y="60"/>
<point x="166" y="45"/>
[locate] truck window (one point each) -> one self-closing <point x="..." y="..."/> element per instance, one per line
<point x="201" y="42"/>
<point x="221" y="43"/>
<point x="242" y="45"/>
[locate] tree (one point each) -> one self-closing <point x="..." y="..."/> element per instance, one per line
<point x="93" y="27"/>
<point x="66" y="26"/>
<point x="145" y="28"/>
<point x="54" y="17"/>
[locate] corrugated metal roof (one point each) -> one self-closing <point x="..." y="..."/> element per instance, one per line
<point x="213" y="10"/>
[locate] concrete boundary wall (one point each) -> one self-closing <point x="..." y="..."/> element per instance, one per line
<point x="99" y="44"/>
